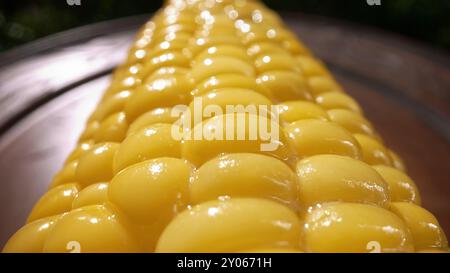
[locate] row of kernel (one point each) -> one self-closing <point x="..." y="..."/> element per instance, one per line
<point x="109" y="122"/>
<point x="96" y="163"/>
<point x="150" y="193"/>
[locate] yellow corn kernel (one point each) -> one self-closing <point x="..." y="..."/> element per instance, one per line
<point x="123" y="84"/>
<point x="200" y="44"/>
<point x="80" y="150"/>
<point x="313" y="137"/>
<point x="328" y="178"/>
<point x="273" y="61"/>
<point x="295" y="47"/>
<point x="351" y="227"/>
<point x="226" y="81"/>
<point x="214" y="140"/>
<point x="373" y="152"/>
<point x="31" y="237"/>
<point x="352" y="121"/>
<point x="311" y="66"/>
<point x="66" y="175"/>
<point x="150" y="142"/>
<point x="166" y="71"/>
<point x="338" y="100"/>
<point x="166" y="91"/>
<point x="211" y="227"/>
<point x="223" y="50"/>
<point x="112" y="129"/>
<point x="110" y="105"/>
<point x="234" y="175"/>
<point x="173" y="28"/>
<point x="96" y="165"/>
<point x="292" y="111"/>
<point x="260" y="33"/>
<point x="425" y="229"/>
<point x="214" y="31"/>
<point x="397" y="161"/>
<point x="95" y="194"/>
<point x="89" y="132"/>
<point x="284" y="85"/>
<point x="90" y="229"/>
<point x="174" y="45"/>
<point x="169" y="58"/>
<point x="401" y="186"/>
<point x="220" y="65"/>
<point x="126" y="70"/>
<point x="151" y="189"/>
<point x="158" y="115"/>
<point x="264" y="48"/>
<point x="322" y="84"/>
<point x="221" y="98"/>
<point x="55" y="201"/>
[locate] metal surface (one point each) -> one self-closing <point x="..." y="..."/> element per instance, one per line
<point x="48" y="89"/>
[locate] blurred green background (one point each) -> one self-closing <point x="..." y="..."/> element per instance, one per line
<point x="22" y="21"/>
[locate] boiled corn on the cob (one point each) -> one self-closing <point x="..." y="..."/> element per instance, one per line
<point x="329" y="185"/>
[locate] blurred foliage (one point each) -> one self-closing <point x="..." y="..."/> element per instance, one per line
<point x="22" y="21"/>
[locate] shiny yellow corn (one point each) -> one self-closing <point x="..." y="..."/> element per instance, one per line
<point x="329" y="184"/>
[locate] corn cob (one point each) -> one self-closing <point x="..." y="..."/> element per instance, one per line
<point x="330" y="185"/>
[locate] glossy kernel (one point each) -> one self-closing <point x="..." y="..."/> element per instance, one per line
<point x="166" y="71"/>
<point x="224" y="134"/>
<point x="147" y="191"/>
<point x="352" y="121"/>
<point x="313" y="137"/>
<point x="212" y="227"/>
<point x="31" y="237"/>
<point x="338" y="100"/>
<point x="234" y="175"/>
<point x="89" y="131"/>
<point x="92" y="229"/>
<point x="373" y="152"/>
<point x="351" y="227"/>
<point x="56" y="201"/>
<point x="264" y="48"/>
<point x="328" y="178"/>
<point x="166" y="59"/>
<point x="425" y="229"/>
<point x="285" y="85"/>
<point x="158" y="115"/>
<point x="323" y="84"/>
<point x="222" y="50"/>
<point x="228" y="81"/>
<point x="274" y="61"/>
<point x="80" y="150"/>
<point x="220" y="65"/>
<point x="292" y="111"/>
<point x="397" y="161"/>
<point x="311" y="66"/>
<point x="96" y="165"/>
<point x="113" y="128"/>
<point x="66" y="175"/>
<point x="220" y="99"/>
<point x="150" y="142"/>
<point x="111" y="105"/>
<point x="166" y="91"/>
<point x="95" y="194"/>
<point x="401" y="186"/>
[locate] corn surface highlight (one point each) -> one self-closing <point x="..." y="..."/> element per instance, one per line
<point x="328" y="185"/>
